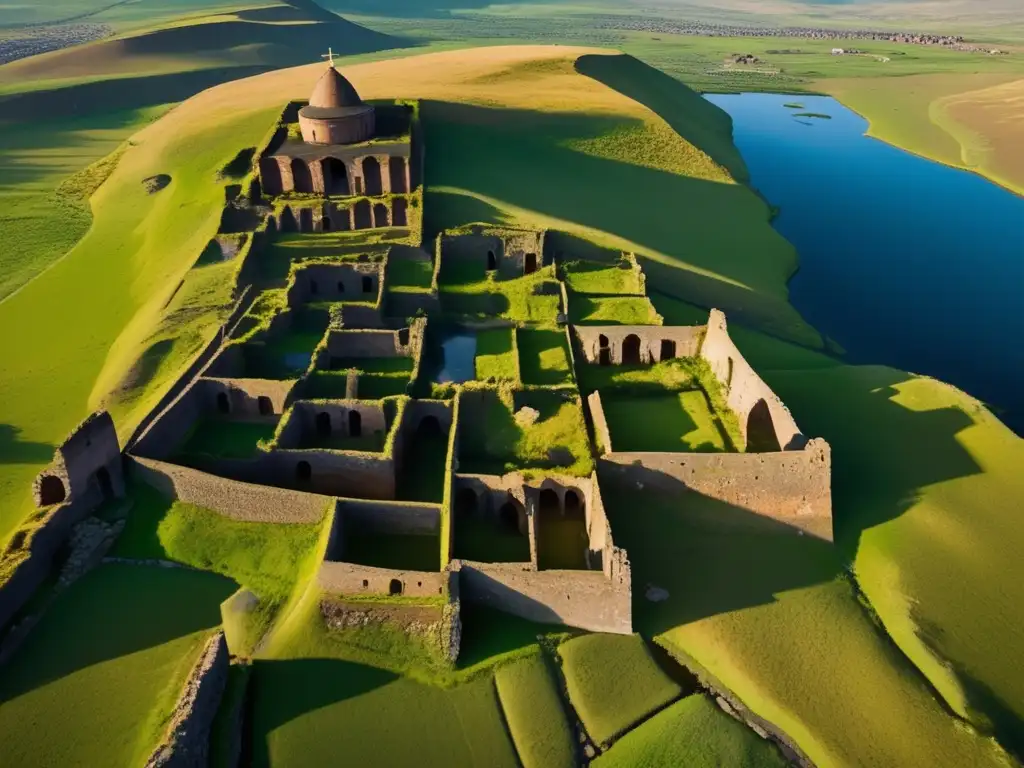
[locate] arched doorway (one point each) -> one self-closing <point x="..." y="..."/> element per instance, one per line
<point x="355" y="424"/>
<point x="303" y="472"/>
<point x="325" y="224"/>
<point x="761" y="437"/>
<point x="508" y="516"/>
<point x="604" y="353"/>
<point x="380" y="215"/>
<point x="104" y="482"/>
<point x="561" y="540"/>
<point x="574" y="505"/>
<point x="288" y="220"/>
<point x="270" y="172"/>
<point x="302" y="179"/>
<point x="395" y="587"/>
<point x="265" y="405"/>
<point x="305" y="220"/>
<point x="363" y="215"/>
<point x="371" y="176"/>
<point x="396" y="171"/>
<point x="668" y="349"/>
<point x="429" y="427"/>
<point x="400" y="215"/>
<point x="323" y="425"/>
<point x="530" y="264"/>
<point x="492" y="262"/>
<point x="51" y="490"/>
<point x="465" y="503"/>
<point x="631" y="350"/>
<point x="223" y="404"/>
<point x="335" y="177"/>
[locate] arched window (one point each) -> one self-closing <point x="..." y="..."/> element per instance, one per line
<point x="400" y="215"/>
<point x="631" y="350"/>
<point x="380" y="215"/>
<point x="335" y="177"/>
<point x="305" y="220"/>
<point x="761" y="437"/>
<point x="302" y="178"/>
<point x="396" y="170"/>
<point x="371" y="176"/>
<point x="355" y="424"/>
<point x="325" y="224"/>
<point x="395" y="587"/>
<point x="668" y="349"/>
<point x="530" y="263"/>
<point x="323" y="424"/>
<point x="363" y="215"/>
<point x="288" y="220"/>
<point x="51" y="490"/>
<point x="573" y="505"/>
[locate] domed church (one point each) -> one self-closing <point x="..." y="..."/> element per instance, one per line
<point x="341" y="152"/>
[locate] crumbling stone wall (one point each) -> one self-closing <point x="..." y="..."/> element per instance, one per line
<point x="584" y="599"/>
<point x="187" y="742"/>
<point x="238" y="500"/>
<point x="311" y="423"/>
<point x="647" y="340"/>
<point x="744" y="388"/>
<point x="332" y="473"/>
<point x="602" y="435"/>
<point x="249" y="399"/>
<point x="86" y="466"/>
<point x="793" y="487"/>
<point x="408" y="518"/>
<point x="363" y="343"/>
<point x="350" y="579"/>
<point x="335" y="282"/>
<point x="513" y="252"/>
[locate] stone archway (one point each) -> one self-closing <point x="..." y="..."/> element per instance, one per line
<point x="302" y="178"/>
<point x="395" y="587"/>
<point x="561" y="540"/>
<point x="270" y="173"/>
<point x="323" y="425"/>
<point x="371" y="177"/>
<point x="305" y="219"/>
<point x="530" y="264"/>
<point x="51" y="490"/>
<point x="631" y="350"/>
<point x="265" y="405"/>
<point x="761" y="437"/>
<point x="325" y="224"/>
<point x="363" y="215"/>
<point x="400" y="212"/>
<point x="288" y="223"/>
<point x="396" y="172"/>
<point x="466" y="502"/>
<point x="335" y="176"/>
<point x="381" y="217"/>
<point x="668" y="349"/>
<point x="573" y="505"/>
<point x="355" y="424"/>
<point x="604" y="352"/>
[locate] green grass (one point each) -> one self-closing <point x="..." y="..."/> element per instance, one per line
<point x="613" y="683"/>
<point x="496" y="355"/>
<point x="695" y="733"/>
<point x="535" y="715"/>
<point x="410" y="275"/>
<point x="226" y="439"/>
<point x="493" y="442"/>
<point x="492" y="296"/>
<point x="676" y="422"/>
<point x="597" y="278"/>
<point x="612" y="310"/>
<point x="543" y="357"/>
<point x="105" y="698"/>
<point x="263" y="557"/>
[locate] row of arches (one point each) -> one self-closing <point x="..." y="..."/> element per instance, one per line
<point x="631" y="351"/>
<point x="530" y="263"/>
<point x="264" y="405"/>
<point x="333" y="176"/>
<point x="325" y="426"/>
<point x="361" y="215"/>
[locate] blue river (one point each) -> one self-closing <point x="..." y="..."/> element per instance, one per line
<point x="903" y="261"/>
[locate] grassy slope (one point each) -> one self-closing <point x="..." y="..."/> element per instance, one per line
<point x="104" y="667"/>
<point x="536" y="717"/>
<point x="613" y="683"/>
<point x="692" y="732"/>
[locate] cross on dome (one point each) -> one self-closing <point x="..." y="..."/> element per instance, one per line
<point x="329" y="56"/>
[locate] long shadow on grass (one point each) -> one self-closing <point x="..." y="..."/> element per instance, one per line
<point x="525" y="158"/>
<point x="13" y="450"/>
<point x="711" y="557"/>
<point x="114" y="611"/>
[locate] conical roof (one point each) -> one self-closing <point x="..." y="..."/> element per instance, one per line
<point x="333" y="91"/>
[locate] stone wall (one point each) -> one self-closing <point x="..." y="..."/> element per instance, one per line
<point x="308" y="421"/>
<point x="408" y="518"/>
<point x="335" y="282"/>
<point x="236" y="499"/>
<point x="89" y="460"/>
<point x="647" y="341"/>
<point x="187" y="742"/>
<point x="361" y="343"/>
<point x="166" y="434"/>
<point x="584" y="599"/>
<point x="746" y="391"/>
<point x="250" y="399"/>
<point x="331" y="473"/>
<point x="793" y="487"/>
<point x="349" y="579"/>
<point x="602" y="435"/>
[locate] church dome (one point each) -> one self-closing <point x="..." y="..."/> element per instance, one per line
<point x="333" y="91"/>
